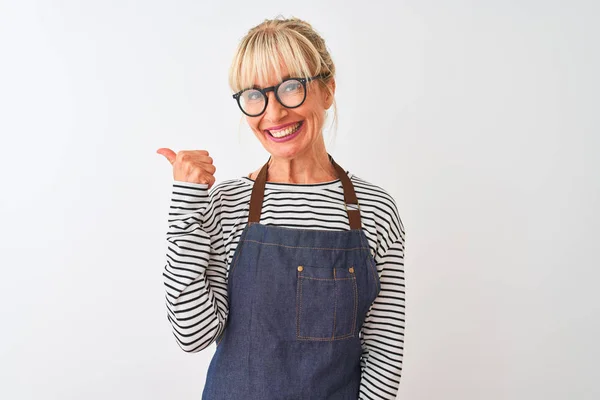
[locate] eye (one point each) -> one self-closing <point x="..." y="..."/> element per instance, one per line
<point x="252" y="95"/>
<point x="291" y="86"/>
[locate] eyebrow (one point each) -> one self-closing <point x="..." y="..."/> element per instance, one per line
<point x="283" y="78"/>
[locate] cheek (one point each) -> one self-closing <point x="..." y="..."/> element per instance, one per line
<point x="316" y="113"/>
<point x="253" y="123"/>
<point x="317" y="118"/>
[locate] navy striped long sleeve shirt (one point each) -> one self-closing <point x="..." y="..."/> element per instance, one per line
<point x="204" y="230"/>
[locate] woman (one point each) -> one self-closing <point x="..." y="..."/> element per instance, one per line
<point x="296" y="271"/>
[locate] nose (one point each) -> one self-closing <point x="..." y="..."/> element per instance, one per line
<point x="275" y="111"/>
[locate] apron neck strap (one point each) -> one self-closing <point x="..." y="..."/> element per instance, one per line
<point x="258" y="192"/>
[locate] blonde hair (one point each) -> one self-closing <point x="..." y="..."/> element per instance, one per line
<point x="291" y="42"/>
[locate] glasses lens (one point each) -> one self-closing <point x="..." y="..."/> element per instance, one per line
<point x="252" y="101"/>
<point x="291" y="93"/>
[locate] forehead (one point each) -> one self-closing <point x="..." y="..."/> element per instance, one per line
<point x="266" y="68"/>
<point x="270" y="76"/>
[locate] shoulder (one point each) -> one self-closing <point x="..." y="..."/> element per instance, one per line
<point x="372" y="191"/>
<point x="230" y="187"/>
<point x="372" y="194"/>
<point x="381" y="205"/>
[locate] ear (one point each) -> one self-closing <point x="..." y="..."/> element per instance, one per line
<point x="328" y="97"/>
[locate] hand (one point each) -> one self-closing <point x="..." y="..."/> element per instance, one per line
<point x="194" y="166"/>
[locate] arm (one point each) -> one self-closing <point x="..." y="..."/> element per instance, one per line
<point x="195" y="271"/>
<point x="383" y="331"/>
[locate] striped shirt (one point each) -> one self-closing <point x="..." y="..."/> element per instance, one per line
<point x="204" y="230"/>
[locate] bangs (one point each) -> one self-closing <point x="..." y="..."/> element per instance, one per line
<point x="262" y="54"/>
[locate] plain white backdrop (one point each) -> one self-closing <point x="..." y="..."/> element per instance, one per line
<point x="479" y="117"/>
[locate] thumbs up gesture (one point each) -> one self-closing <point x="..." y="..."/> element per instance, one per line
<point x="194" y="166"/>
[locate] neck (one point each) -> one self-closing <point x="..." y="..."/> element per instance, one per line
<point x="312" y="166"/>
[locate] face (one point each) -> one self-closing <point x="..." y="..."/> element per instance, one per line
<point x="289" y="132"/>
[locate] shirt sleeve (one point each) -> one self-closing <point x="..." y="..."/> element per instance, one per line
<point x="195" y="270"/>
<point x="382" y="337"/>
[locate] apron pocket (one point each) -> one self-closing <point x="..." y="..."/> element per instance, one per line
<point x="326" y="303"/>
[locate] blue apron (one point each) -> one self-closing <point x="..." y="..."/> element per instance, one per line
<point x="297" y="302"/>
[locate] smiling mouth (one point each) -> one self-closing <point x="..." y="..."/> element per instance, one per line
<point x="289" y="130"/>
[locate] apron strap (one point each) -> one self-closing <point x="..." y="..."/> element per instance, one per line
<point x="258" y="193"/>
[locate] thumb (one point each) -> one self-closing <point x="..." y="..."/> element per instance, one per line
<point x="168" y="153"/>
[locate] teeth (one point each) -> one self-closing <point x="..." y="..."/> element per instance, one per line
<point x="284" y="132"/>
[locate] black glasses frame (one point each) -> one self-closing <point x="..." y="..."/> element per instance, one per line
<point x="275" y="89"/>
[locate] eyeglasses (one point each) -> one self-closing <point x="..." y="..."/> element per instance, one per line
<point x="290" y="93"/>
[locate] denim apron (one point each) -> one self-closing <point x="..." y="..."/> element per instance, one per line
<point x="297" y="302"/>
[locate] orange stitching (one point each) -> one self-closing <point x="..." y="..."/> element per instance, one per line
<point x="237" y="257"/>
<point x="334" y="304"/>
<point x="324" y="339"/>
<point x="299" y="309"/>
<point x="301" y="229"/>
<point x="355" y="307"/>
<point x="370" y="260"/>
<point x="221" y="339"/>
<point x="298" y="302"/>
<point x="326" y="279"/>
<point x="301" y="247"/>
<point x="371" y="264"/>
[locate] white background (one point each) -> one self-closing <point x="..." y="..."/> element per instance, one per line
<point x="479" y="117"/>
